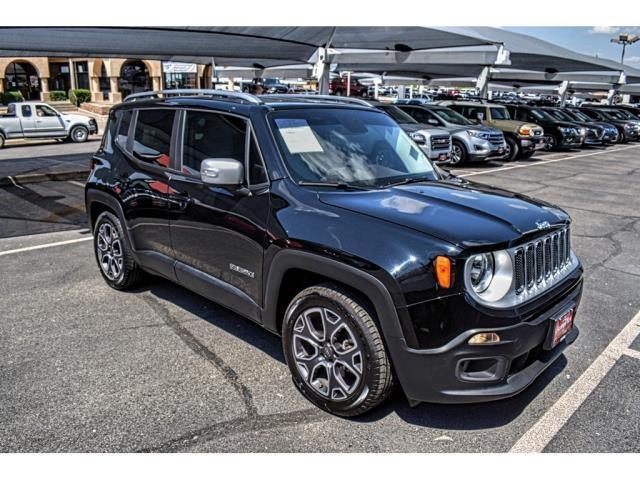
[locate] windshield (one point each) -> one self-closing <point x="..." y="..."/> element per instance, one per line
<point x="397" y="114"/>
<point x="560" y="115"/>
<point x="616" y="114"/>
<point x="451" y="116"/>
<point x="578" y="115"/>
<point x="541" y="115"/>
<point x="342" y="145"/>
<point x="499" y="113"/>
<point x="622" y="114"/>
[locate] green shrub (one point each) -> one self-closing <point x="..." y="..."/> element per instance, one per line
<point x="79" y="96"/>
<point x="57" y="95"/>
<point x="11" y="97"/>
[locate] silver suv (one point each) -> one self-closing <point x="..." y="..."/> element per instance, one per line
<point x="470" y="142"/>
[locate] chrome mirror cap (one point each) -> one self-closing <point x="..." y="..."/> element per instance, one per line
<point x="222" y="171"/>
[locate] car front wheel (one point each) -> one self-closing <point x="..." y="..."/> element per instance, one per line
<point x="458" y="154"/>
<point x="335" y="352"/>
<point x="79" y="134"/>
<point x="512" y="150"/>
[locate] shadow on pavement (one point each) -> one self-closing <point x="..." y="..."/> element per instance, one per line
<point x="450" y="417"/>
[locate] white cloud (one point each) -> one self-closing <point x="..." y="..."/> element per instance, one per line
<point x="604" y="30"/>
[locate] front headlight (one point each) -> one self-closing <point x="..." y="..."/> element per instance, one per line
<point x="583" y="131"/>
<point x="481" y="271"/>
<point x="628" y="126"/>
<point x="525" y="131"/>
<point x="478" y="134"/>
<point x="488" y="276"/>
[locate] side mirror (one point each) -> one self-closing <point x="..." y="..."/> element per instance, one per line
<point x="222" y="171"/>
<point x="419" y="138"/>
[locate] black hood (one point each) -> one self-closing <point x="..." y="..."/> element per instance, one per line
<point x="465" y="214"/>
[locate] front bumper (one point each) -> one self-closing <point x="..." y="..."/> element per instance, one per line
<point x="480" y="149"/>
<point x="500" y="370"/>
<point x="531" y="144"/>
<point x="571" y="141"/>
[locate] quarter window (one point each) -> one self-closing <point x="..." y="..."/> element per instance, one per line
<point x="123" y="128"/>
<point x="152" y="138"/>
<point x="212" y="135"/>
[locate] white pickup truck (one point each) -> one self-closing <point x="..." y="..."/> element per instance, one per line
<point x="39" y="120"/>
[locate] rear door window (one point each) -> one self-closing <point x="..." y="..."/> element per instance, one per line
<point x="152" y="137"/>
<point x="26" y="111"/>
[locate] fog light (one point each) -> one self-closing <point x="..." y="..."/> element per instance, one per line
<point x="484" y="338"/>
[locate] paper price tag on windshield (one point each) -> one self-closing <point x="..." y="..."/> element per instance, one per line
<point x="298" y="136"/>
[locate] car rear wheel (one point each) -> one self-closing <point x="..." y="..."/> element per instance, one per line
<point x="511" y="149"/>
<point x="458" y="154"/>
<point x="79" y="134"/>
<point x="113" y="254"/>
<point x="335" y="352"/>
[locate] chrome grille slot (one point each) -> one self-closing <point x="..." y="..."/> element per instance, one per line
<point x="530" y="266"/>
<point x="539" y="262"/>
<point x="547" y="257"/>
<point x="518" y="267"/>
<point x="555" y="253"/>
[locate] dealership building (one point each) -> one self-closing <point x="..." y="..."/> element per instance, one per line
<point x="108" y="79"/>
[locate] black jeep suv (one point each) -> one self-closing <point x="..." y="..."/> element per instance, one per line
<point x="324" y="222"/>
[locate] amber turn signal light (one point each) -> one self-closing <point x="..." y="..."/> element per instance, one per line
<point x="443" y="271"/>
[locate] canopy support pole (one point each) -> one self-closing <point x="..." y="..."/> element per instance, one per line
<point x="322" y="68"/>
<point x="563" y="91"/>
<point x="482" y="83"/>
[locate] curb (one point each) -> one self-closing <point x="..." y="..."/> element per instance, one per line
<point x="43" y="177"/>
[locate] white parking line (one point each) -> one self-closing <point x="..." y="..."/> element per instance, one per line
<point x="46" y="245"/>
<point x="630" y="352"/>
<point x="545" y="162"/>
<point x="73" y="182"/>
<point x="543" y="431"/>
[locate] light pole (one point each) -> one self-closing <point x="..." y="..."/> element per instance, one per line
<point x="625" y="39"/>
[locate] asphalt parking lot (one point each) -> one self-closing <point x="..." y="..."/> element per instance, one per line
<point x="86" y="368"/>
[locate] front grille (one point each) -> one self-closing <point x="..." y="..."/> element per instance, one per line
<point x="496" y="139"/>
<point x="537" y="263"/>
<point x="439" y="143"/>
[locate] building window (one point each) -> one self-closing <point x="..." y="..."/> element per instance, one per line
<point x="82" y="75"/>
<point x="60" y="79"/>
<point x="134" y="78"/>
<point x="180" y="75"/>
<point x="23" y="77"/>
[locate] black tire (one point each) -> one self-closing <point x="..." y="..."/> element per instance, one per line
<point x="79" y="134"/>
<point x="1" y="140"/>
<point x="622" y="138"/>
<point x="527" y="155"/>
<point x="375" y="382"/>
<point x="513" y="149"/>
<point x="463" y="154"/>
<point x="338" y="92"/>
<point x="129" y="273"/>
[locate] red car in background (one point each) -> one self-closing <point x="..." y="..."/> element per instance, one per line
<point x="338" y="86"/>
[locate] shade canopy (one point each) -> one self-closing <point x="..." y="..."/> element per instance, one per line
<point x="293" y="44"/>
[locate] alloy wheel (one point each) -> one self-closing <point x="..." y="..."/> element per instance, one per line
<point x="456" y="154"/>
<point x="109" y="251"/>
<point x="328" y="355"/>
<point x="79" y="134"/>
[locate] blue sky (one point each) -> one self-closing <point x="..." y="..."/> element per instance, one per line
<point x="588" y="40"/>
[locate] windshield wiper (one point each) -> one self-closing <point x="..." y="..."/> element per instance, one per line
<point x="338" y="185"/>
<point x="407" y="180"/>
